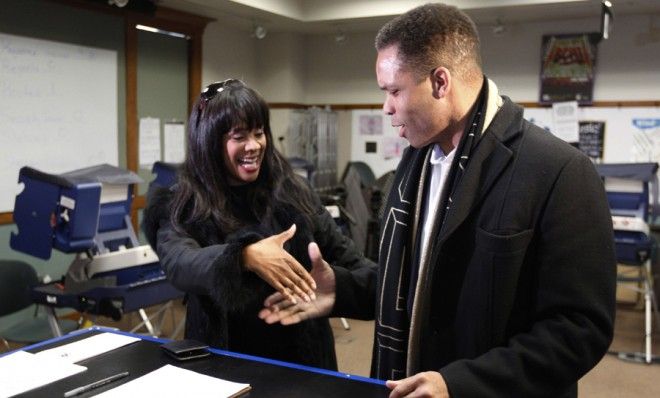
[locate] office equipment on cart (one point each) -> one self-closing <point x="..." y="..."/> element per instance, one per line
<point x="87" y="212"/>
<point x="628" y="187"/>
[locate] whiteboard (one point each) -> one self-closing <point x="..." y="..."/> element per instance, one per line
<point x="58" y="109"/>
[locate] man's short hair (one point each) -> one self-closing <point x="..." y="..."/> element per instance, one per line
<point x="434" y="35"/>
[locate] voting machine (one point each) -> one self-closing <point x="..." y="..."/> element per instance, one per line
<point x="632" y="194"/>
<point x="86" y="212"/>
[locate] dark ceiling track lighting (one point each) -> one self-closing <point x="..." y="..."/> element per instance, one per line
<point x="141" y="6"/>
<point x="260" y="32"/>
<point x="606" y="23"/>
<point x="607" y="19"/>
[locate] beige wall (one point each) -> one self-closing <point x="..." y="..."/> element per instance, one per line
<point x="314" y="69"/>
<point x="626" y="67"/>
<point x="228" y="53"/>
<point x="280" y="63"/>
<point x="341" y="73"/>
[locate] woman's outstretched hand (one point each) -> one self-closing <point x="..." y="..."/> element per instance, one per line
<point x="268" y="259"/>
<point x="277" y="308"/>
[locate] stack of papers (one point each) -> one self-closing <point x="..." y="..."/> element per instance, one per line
<point x="172" y="381"/>
<point x="87" y="348"/>
<point x="23" y="371"/>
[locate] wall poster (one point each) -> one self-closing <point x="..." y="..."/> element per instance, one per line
<point x="592" y="139"/>
<point x="567" y="68"/>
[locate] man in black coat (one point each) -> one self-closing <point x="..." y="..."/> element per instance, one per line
<point x="497" y="265"/>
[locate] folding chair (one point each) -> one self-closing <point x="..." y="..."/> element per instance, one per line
<point x="17" y="278"/>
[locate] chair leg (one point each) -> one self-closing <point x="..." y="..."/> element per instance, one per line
<point x="650" y="307"/>
<point x="654" y="298"/>
<point x="52" y="322"/>
<point x="654" y="304"/>
<point x="648" y="323"/>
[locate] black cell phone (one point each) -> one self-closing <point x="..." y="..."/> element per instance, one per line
<point x="183" y="350"/>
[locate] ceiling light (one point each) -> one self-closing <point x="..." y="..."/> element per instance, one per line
<point x="161" y="31"/>
<point x="606" y="19"/>
<point x="499" y="27"/>
<point x="118" y="3"/>
<point x="260" y="32"/>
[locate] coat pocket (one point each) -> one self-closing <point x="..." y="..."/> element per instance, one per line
<point x="504" y="256"/>
<point x="503" y="244"/>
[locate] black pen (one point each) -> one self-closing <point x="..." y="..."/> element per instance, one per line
<point x="94" y="385"/>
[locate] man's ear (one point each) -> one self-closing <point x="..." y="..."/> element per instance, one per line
<point x="440" y="81"/>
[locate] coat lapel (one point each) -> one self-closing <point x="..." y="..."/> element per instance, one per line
<point x="489" y="158"/>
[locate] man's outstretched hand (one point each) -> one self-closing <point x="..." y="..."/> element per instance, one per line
<point x="277" y="308"/>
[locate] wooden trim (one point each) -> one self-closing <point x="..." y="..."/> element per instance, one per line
<point x="345" y="107"/>
<point x="602" y="104"/>
<point x="194" y="66"/>
<point x="295" y="105"/>
<point x="595" y="104"/>
<point x="287" y="105"/>
<point x="139" y="202"/>
<point x="6" y="218"/>
<point x="174" y="21"/>
<point x="131" y="54"/>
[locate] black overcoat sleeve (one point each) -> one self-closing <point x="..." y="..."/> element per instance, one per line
<point x="214" y="270"/>
<point x="355" y="274"/>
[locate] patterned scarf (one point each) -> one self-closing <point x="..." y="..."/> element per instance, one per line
<point x="398" y="271"/>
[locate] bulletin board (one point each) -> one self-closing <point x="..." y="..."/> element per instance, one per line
<point x="58" y="108"/>
<point x="375" y="142"/>
<point x="631" y="134"/>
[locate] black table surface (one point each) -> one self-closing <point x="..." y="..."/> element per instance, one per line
<point x="266" y="378"/>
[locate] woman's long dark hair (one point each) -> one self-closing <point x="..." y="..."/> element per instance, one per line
<point x="203" y="191"/>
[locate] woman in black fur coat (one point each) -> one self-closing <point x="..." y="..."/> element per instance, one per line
<point x="236" y="227"/>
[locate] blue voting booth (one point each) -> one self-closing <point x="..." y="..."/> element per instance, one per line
<point x="87" y="212"/>
<point x="631" y="189"/>
<point x="165" y="174"/>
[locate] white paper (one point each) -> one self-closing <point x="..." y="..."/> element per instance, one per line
<point x="565" y="119"/>
<point x="149" y="142"/>
<point x="371" y="125"/>
<point x="393" y="147"/>
<point x="23" y="371"/>
<point x="87" y="348"/>
<point x="172" y="381"/>
<point x="175" y="147"/>
<point x="646" y="140"/>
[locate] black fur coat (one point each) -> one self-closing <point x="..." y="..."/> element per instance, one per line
<point x="223" y="298"/>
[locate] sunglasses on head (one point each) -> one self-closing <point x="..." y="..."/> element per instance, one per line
<point x="213" y="89"/>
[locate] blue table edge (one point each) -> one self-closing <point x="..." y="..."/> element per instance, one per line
<point x="213" y="350"/>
